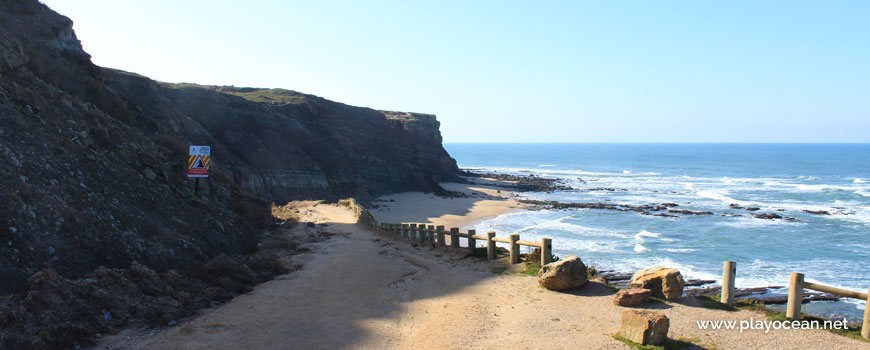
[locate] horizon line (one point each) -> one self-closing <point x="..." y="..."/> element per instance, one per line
<point x="665" y="142"/>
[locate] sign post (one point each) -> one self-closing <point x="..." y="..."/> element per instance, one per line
<point x="198" y="164"/>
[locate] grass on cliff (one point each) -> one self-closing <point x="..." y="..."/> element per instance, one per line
<point x="272" y="96"/>
<point x="712" y="302"/>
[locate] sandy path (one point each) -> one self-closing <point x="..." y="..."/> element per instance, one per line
<point x="367" y="291"/>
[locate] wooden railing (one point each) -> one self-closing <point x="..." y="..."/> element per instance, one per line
<point x="795" y="294"/>
<point x="436" y="236"/>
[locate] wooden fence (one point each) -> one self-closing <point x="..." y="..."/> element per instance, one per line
<point x="436" y="236"/>
<point x="795" y="294"/>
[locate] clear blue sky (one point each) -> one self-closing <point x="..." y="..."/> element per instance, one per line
<point x="522" y="71"/>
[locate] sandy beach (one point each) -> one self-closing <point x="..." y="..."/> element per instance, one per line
<point x="365" y="290"/>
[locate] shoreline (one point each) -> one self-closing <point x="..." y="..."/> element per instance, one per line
<point x="773" y="296"/>
<point x="481" y="201"/>
<point x="362" y="289"/>
<point x="490" y="196"/>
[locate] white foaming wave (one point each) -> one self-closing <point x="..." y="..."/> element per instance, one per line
<point x="710" y="194"/>
<point x="810" y="187"/>
<point x="575" y="246"/>
<point x="859" y="181"/>
<point x="646" y="233"/>
<point x="750" y="222"/>
<point x="555" y="172"/>
<point x="822" y="187"/>
<point x="761" y="273"/>
<point x="678" y="250"/>
<point x="688" y="185"/>
<point x="573" y="229"/>
<point x="639" y="248"/>
<point x="863" y="193"/>
<point x="687" y="270"/>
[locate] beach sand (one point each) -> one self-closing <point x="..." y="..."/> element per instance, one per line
<point x="483" y="201"/>
<point x="365" y="290"/>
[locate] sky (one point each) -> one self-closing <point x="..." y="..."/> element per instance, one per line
<point x="522" y="71"/>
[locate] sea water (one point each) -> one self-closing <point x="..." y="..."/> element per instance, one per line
<point x="786" y="179"/>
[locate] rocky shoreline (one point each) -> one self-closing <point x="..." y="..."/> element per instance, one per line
<point x="757" y="295"/>
<point x="519" y="183"/>
<point x="654" y="209"/>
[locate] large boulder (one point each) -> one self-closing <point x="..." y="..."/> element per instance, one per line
<point x="566" y="274"/>
<point x="664" y="283"/>
<point x="632" y="297"/>
<point x="644" y="327"/>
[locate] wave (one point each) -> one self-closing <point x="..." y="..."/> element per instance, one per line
<point x="809" y="187"/>
<point x="859" y="181"/>
<point x="678" y="250"/>
<point x="709" y="194"/>
<point x="555" y="172"/>
<point x="749" y="222"/>
<point x="646" y="233"/>
<point x="639" y="248"/>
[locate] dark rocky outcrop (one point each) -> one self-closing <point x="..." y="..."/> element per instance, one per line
<point x="94" y="174"/>
<point x="519" y="182"/>
<point x="95" y="158"/>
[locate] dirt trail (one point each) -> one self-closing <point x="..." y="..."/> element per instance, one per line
<point x="361" y="290"/>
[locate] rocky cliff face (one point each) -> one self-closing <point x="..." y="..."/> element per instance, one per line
<point x="93" y="159"/>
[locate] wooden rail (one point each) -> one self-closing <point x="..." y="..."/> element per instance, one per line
<point x="795" y="294"/>
<point x="436" y="236"/>
<point x="796" y="288"/>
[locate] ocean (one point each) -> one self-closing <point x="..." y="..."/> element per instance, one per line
<point x="785" y="179"/>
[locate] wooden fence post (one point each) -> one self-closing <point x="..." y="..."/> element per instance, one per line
<point x="454" y="237"/>
<point x="546" y="250"/>
<point x="440" y="232"/>
<point x="515" y="248"/>
<point x="421" y="237"/>
<point x="865" y="326"/>
<point x="490" y="245"/>
<point x="472" y="243"/>
<point x="729" y="272"/>
<point x="413" y="234"/>
<point x="405" y="232"/>
<point x="795" y="296"/>
<point x="431" y="235"/>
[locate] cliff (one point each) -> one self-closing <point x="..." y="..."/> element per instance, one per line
<point x="94" y="161"/>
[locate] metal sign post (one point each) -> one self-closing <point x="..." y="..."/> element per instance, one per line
<point x="198" y="164"/>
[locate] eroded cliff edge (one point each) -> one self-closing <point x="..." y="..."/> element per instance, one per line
<point x="93" y="162"/>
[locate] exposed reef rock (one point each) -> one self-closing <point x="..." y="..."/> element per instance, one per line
<point x="521" y="182"/>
